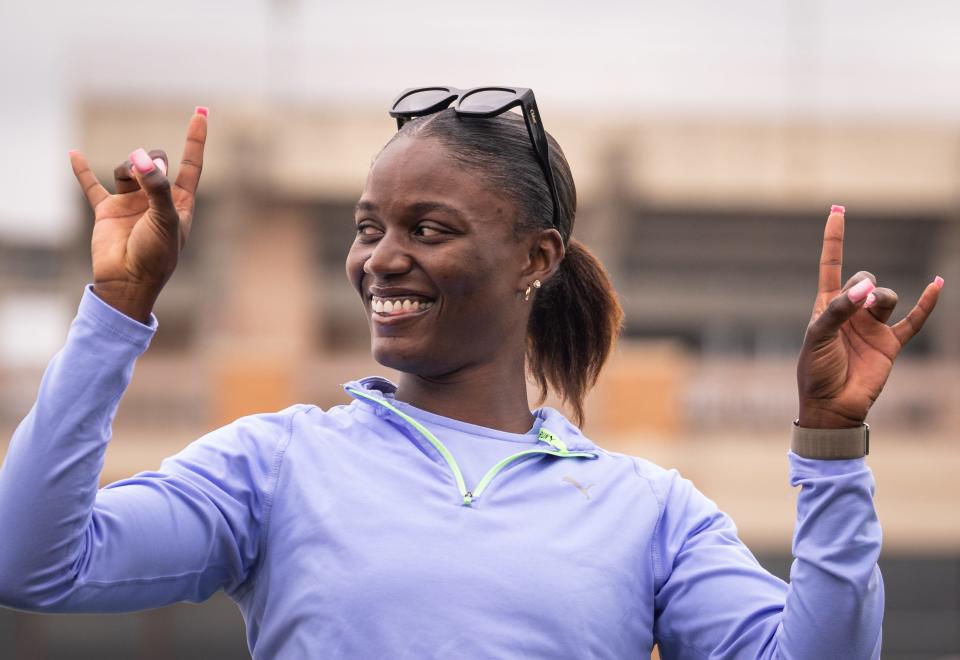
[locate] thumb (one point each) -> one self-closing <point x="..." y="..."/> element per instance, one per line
<point x="154" y="182"/>
<point x="827" y="325"/>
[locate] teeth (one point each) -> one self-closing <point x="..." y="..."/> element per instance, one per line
<point x="394" y="307"/>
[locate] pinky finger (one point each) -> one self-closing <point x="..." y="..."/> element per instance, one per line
<point x="911" y="324"/>
<point x="92" y="188"/>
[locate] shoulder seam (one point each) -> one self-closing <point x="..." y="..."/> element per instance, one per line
<point x="655" y="559"/>
<point x="280" y="450"/>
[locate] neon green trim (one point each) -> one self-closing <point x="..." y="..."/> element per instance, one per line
<point x="470" y="496"/>
<point x="509" y="459"/>
<point x="447" y="456"/>
<point x="551" y="438"/>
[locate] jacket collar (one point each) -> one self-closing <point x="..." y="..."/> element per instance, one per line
<point x="553" y="420"/>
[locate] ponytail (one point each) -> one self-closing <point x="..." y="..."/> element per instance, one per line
<point x="574" y="323"/>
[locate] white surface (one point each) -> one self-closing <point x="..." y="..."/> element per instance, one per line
<point x="32" y="329"/>
<point x="35" y="114"/>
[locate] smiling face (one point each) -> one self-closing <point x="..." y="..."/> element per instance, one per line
<point x="437" y="263"/>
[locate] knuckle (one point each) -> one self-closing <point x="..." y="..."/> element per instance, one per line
<point x="158" y="185"/>
<point x="814" y="333"/>
<point x="837" y="305"/>
<point x="885" y="297"/>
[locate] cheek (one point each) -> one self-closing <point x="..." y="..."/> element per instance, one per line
<point x="354" y="266"/>
<point x="478" y="283"/>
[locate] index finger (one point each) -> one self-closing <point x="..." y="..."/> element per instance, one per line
<point x="191" y="165"/>
<point x="831" y="257"/>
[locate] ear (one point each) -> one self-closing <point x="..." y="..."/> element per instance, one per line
<point x="545" y="251"/>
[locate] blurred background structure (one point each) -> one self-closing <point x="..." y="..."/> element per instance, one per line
<point x="708" y="142"/>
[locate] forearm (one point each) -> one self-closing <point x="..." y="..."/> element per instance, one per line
<point x="835" y="603"/>
<point x="49" y="479"/>
<point x="716" y="601"/>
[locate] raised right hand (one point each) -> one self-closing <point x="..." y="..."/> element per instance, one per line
<point x="849" y="348"/>
<point x="138" y="232"/>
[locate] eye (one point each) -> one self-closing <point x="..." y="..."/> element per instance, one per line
<point x="367" y="229"/>
<point x="427" y="231"/>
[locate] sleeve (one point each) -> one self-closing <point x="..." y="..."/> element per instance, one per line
<point x="178" y="534"/>
<point x="714" y="600"/>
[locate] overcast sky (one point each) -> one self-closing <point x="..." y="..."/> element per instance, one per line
<point x="864" y="60"/>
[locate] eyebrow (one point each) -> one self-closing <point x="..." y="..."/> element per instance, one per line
<point x="416" y="208"/>
<point x="364" y="206"/>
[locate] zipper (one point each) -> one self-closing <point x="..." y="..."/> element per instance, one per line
<point x="469" y="496"/>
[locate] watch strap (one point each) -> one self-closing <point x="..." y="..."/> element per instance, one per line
<point x="831" y="444"/>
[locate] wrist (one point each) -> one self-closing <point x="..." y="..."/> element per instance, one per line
<point x="811" y="417"/>
<point x="132" y="302"/>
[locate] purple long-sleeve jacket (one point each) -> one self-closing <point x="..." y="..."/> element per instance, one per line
<point x="353" y="533"/>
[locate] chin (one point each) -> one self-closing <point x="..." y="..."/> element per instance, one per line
<point x="417" y="358"/>
<point x="399" y="354"/>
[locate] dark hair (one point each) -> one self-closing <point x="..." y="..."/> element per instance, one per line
<point x="576" y="316"/>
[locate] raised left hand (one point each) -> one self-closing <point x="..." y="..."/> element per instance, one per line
<point x="140" y="230"/>
<point x="849" y="349"/>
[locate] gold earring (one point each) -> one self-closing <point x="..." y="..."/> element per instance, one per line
<point x="526" y="294"/>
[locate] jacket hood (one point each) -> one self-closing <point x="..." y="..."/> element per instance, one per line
<point x="552" y="419"/>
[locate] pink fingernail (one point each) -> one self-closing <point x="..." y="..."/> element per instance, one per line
<point x="142" y="161"/>
<point x="871" y="298"/>
<point x="938" y="281"/>
<point x="160" y="165"/>
<point x="202" y="110"/>
<point x="860" y="290"/>
<point x="836" y="208"/>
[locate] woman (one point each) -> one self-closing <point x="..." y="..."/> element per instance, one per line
<point x="441" y="517"/>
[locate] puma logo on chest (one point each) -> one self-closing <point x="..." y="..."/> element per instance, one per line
<point x="576" y="484"/>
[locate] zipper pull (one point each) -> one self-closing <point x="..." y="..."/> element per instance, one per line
<point x="552" y="440"/>
<point x="468" y="498"/>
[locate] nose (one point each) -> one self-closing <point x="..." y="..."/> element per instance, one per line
<point x="388" y="257"/>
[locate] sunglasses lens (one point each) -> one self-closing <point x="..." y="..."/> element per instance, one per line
<point x="487" y="100"/>
<point x="422" y="99"/>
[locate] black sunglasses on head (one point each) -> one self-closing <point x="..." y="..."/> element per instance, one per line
<point x="482" y="102"/>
